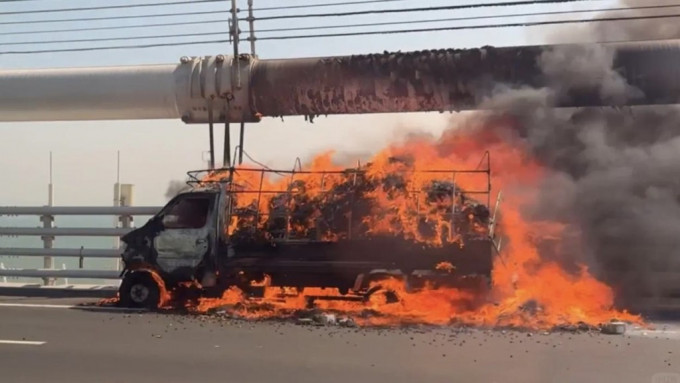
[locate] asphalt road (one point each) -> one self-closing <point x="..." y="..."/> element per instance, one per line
<point x="103" y="346"/>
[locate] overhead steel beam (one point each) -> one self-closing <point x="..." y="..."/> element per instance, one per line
<point x="172" y="91"/>
<point x="111" y="93"/>
<point x="245" y="88"/>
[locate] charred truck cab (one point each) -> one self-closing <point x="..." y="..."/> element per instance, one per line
<point x="226" y="233"/>
<point x="176" y="245"/>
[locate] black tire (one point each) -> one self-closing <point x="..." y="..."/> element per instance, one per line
<point x="390" y="295"/>
<point x="139" y="290"/>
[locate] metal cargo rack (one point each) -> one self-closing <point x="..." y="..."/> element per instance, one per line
<point x="228" y="179"/>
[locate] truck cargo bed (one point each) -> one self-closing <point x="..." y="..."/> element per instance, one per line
<point x="337" y="264"/>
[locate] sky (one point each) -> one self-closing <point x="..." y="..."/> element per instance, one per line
<point x="154" y="152"/>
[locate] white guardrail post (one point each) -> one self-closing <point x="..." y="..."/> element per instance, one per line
<point x="48" y="243"/>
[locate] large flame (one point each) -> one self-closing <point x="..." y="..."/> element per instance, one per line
<point x="529" y="289"/>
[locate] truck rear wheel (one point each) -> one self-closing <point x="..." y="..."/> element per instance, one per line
<point x="389" y="295"/>
<point x="139" y="290"/>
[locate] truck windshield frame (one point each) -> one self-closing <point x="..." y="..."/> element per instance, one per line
<point x="188" y="212"/>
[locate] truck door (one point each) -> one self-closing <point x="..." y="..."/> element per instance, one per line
<point x="187" y="233"/>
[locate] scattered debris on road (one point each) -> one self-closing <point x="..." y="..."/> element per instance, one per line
<point x="614" y="328"/>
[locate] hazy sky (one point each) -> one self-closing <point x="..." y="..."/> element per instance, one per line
<point x="155" y="152"/>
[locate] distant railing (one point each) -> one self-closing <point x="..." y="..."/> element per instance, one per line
<point x="48" y="232"/>
<point x="79" y="210"/>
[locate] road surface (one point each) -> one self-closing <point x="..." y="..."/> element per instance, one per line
<point x="58" y="343"/>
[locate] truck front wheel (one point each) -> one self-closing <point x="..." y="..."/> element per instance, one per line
<point x="139" y="290"/>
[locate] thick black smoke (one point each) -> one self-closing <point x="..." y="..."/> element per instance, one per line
<point x="615" y="176"/>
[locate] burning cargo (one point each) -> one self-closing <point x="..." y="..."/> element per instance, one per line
<point x="345" y="229"/>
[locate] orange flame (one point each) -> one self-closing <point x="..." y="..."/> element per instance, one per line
<point x="528" y="290"/>
<point x="445" y="266"/>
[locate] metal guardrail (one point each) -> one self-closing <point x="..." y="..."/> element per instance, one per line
<point x="56" y="273"/>
<point x="35" y="252"/>
<point x="48" y="232"/>
<point x="79" y="210"/>
<point x="68" y="232"/>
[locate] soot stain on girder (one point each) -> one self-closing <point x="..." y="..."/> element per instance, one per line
<point x="446" y="79"/>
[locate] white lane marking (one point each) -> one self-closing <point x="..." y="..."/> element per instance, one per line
<point x="35" y="305"/>
<point x="23" y="342"/>
<point x="46" y="306"/>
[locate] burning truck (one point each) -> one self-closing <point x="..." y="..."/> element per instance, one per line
<point x="343" y="229"/>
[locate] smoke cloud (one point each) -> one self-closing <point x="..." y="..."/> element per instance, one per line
<point x="667" y="28"/>
<point x="175" y="187"/>
<point x="614" y="173"/>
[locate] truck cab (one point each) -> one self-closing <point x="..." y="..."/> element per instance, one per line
<point x="180" y="243"/>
